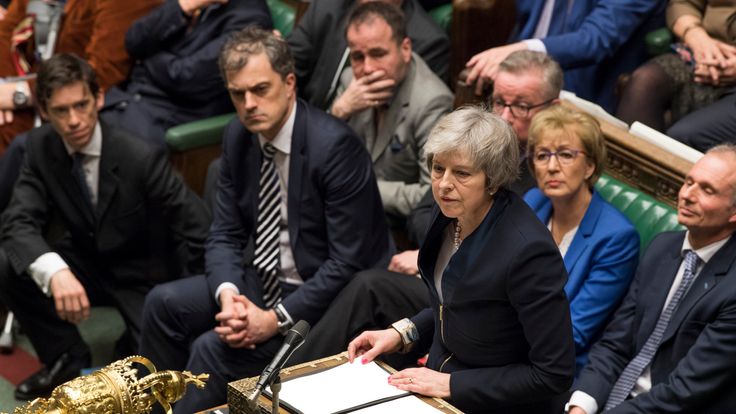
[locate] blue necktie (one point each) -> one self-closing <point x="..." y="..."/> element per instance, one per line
<point x="267" y="253"/>
<point x="559" y="17"/>
<point x="625" y="383"/>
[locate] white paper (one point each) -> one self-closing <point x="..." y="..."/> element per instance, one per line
<point x="665" y="142"/>
<point x="592" y="109"/>
<point x="345" y="386"/>
<point x="410" y="404"/>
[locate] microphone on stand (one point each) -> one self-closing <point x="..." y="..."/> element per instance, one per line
<point x="294" y="339"/>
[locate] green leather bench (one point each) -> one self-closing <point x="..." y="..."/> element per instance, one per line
<point x="648" y="215"/>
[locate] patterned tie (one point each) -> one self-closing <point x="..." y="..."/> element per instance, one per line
<point x="267" y="233"/>
<point x="622" y="388"/>
<point x="80" y="177"/>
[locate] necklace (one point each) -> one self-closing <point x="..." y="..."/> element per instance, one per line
<point x="456" y="237"/>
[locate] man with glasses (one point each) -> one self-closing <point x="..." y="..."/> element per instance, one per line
<point x="97" y="217"/>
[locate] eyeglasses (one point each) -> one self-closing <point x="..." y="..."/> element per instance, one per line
<point x="518" y="110"/>
<point x="564" y="156"/>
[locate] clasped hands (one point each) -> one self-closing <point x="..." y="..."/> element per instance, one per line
<point x="370" y="344"/>
<point x="243" y="324"/>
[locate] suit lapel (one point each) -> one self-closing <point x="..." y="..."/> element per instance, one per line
<point x="712" y="273"/>
<point x="396" y="113"/>
<point x="296" y="173"/>
<point x="62" y="167"/>
<point x="109" y="180"/>
<point x="429" y="251"/>
<point x="582" y="237"/>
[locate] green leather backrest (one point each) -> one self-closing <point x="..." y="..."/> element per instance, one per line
<point x="442" y="15"/>
<point x="283" y="16"/>
<point x="197" y="134"/>
<point x="658" y="41"/>
<point x="648" y="215"/>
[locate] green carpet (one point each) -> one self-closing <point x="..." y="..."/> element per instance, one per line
<point x="100" y="331"/>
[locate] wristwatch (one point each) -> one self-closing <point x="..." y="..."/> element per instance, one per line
<point x="21" y="96"/>
<point x="408" y="332"/>
<point x="284" y="322"/>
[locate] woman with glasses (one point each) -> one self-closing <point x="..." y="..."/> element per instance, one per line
<point x="498" y="327"/>
<point x="600" y="247"/>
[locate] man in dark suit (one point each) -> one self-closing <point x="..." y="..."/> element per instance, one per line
<point x="593" y="40"/>
<point x="297" y="186"/>
<point x="670" y="346"/>
<point x="85" y="225"/>
<point x="175" y="79"/>
<point x="321" y="52"/>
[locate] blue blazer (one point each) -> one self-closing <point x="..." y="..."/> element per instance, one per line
<point x="694" y="369"/>
<point x="335" y="218"/>
<point x="596" y="41"/>
<point x="600" y="262"/>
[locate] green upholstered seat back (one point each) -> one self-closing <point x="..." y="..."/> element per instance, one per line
<point x="442" y="15"/>
<point x="283" y="16"/>
<point x="648" y="215"/>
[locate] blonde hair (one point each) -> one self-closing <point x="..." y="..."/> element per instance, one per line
<point x="571" y="123"/>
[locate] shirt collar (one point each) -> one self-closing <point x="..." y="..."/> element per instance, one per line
<point x="705" y="253"/>
<point x="93" y="147"/>
<point x="282" y="140"/>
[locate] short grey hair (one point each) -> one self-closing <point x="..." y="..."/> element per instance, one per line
<point x="250" y="41"/>
<point x="726" y="147"/>
<point x="523" y="61"/>
<point x="486" y="138"/>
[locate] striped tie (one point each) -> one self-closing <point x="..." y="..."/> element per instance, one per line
<point x="267" y="233"/>
<point x="622" y="388"/>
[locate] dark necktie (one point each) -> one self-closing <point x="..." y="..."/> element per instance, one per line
<point x="267" y="232"/>
<point x="625" y="383"/>
<point x="559" y="17"/>
<point x="80" y="177"/>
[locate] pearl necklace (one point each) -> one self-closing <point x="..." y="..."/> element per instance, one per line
<point x="456" y="237"/>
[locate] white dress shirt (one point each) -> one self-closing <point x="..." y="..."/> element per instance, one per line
<point x="49" y="263"/>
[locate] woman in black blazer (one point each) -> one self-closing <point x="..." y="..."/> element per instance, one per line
<point x="498" y="329"/>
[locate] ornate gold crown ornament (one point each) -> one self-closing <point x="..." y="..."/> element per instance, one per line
<point x="116" y="389"/>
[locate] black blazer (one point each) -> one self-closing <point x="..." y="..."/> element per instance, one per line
<point x="318" y="43"/>
<point x="504" y="329"/>
<point x="144" y="216"/>
<point x="336" y="222"/>
<point x="694" y="370"/>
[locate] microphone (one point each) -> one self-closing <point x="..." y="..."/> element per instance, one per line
<point x="294" y="339"/>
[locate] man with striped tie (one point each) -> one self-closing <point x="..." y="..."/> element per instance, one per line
<point x="298" y="213"/>
<point x="671" y="344"/>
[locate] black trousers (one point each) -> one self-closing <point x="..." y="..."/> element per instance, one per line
<point x="374" y="299"/>
<point x="52" y="336"/>
<point x="178" y="333"/>
<point x="707" y="127"/>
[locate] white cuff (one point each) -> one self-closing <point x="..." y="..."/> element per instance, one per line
<point x="535" y="45"/>
<point x="43" y="268"/>
<point x="584" y="401"/>
<point x="223" y="286"/>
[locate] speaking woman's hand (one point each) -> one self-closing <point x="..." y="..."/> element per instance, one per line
<point x="422" y="381"/>
<point x="371" y="344"/>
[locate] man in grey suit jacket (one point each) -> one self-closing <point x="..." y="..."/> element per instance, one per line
<point x="97" y="216"/>
<point x="670" y="346"/>
<point x="392" y="100"/>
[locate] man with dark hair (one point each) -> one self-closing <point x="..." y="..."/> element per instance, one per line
<point x="97" y="217"/>
<point x="320" y="49"/>
<point x="297" y="188"/>
<point x="392" y="100"/>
